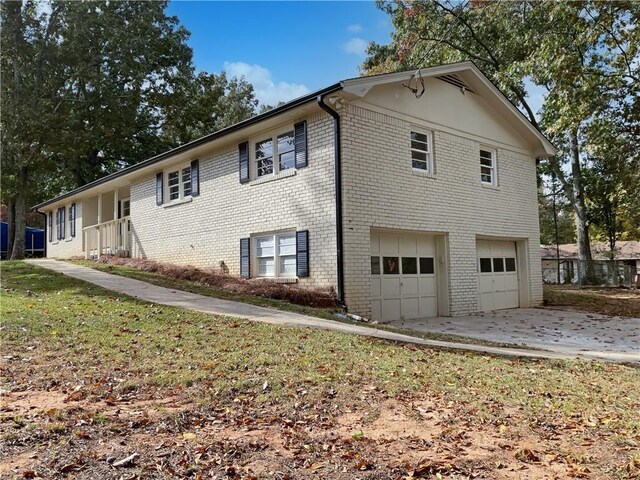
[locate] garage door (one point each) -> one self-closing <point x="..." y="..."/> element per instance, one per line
<point x="403" y="276"/>
<point x="498" y="278"/>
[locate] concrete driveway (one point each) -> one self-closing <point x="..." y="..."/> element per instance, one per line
<point x="549" y="329"/>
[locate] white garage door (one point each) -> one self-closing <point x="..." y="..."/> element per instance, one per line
<point x="498" y="278"/>
<point x="403" y="276"/>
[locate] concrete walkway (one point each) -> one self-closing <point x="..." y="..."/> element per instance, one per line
<point x="201" y="303"/>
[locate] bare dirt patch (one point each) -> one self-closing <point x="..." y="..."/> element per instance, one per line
<point x="417" y="436"/>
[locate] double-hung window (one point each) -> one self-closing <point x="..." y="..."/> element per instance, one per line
<point x="275" y="154"/>
<point x="179" y="183"/>
<point x="276" y="255"/>
<point x="488" y="166"/>
<point x="421" y="152"/>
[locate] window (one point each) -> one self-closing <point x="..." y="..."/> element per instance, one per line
<point x="179" y="183"/>
<point x="421" y="155"/>
<point x="276" y="255"/>
<point x="375" y="265"/>
<point x="485" y="265"/>
<point x="125" y="208"/>
<point x="280" y="148"/>
<point x="510" y="264"/>
<point x="498" y="265"/>
<point x="72" y="220"/>
<point x="60" y="222"/>
<point x="390" y="265"/>
<point x="426" y="266"/>
<point x="409" y="266"/>
<point x="488" y="166"/>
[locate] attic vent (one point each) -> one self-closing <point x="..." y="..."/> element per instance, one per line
<point x="456" y="81"/>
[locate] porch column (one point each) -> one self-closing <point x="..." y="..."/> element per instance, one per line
<point x="99" y="252"/>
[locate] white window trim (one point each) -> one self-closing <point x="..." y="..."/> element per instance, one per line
<point x="128" y="199"/>
<point x="429" y="172"/>
<point x="276" y="257"/>
<point x="273" y="134"/>
<point x="494" y="166"/>
<point x="182" y="198"/>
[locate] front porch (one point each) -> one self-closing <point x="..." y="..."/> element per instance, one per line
<point x="106" y="224"/>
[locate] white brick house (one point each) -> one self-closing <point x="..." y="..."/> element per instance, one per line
<point x="411" y="206"/>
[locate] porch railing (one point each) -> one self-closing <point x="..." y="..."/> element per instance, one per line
<point x="107" y="238"/>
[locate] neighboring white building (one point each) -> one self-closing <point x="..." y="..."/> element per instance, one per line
<point x="411" y="207"/>
<point x="561" y="265"/>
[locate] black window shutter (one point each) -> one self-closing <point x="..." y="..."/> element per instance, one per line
<point x="58" y="212"/>
<point x="245" y="256"/>
<point x="72" y="220"/>
<point x="50" y="225"/>
<point x="243" y="162"/>
<point x="64" y="219"/>
<point x="159" y="186"/>
<point x="302" y="253"/>
<point x="300" y="144"/>
<point x="195" y="178"/>
<point x="120" y="209"/>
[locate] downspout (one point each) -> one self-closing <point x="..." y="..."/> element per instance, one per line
<point x="338" y="187"/>
<point x="46" y="233"/>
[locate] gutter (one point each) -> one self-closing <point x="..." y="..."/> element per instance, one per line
<point x="195" y="143"/>
<point x="46" y="233"/>
<point x="338" y="187"/>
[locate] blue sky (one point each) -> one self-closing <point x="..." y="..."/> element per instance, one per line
<point x="285" y="49"/>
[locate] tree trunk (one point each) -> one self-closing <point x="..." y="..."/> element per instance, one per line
<point x="582" y="222"/>
<point x="17" y="253"/>
<point x="11" y="223"/>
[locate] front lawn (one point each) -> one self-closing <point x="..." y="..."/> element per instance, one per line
<point x="91" y="378"/>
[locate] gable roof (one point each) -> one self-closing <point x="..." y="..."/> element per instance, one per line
<point x="358" y="86"/>
<point x="626" y="250"/>
<point x="464" y="75"/>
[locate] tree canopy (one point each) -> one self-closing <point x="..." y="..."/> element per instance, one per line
<point x="91" y="87"/>
<point x="584" y="55"/>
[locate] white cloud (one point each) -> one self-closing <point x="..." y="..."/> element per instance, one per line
<point x="267" y="91"/>
<point x="356" y="46"/>
<point x="354" y="28"/>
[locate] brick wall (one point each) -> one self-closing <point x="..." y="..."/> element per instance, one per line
<point x="382" y="191"/>
<point x="69" y="246"/>
<point x="208" y="229"/>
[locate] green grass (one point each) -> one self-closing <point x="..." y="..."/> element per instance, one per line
<point x="79" y="334"/>
<point x="325" y="313"/>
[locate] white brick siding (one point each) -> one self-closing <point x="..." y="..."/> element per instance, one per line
<point x="208" y="229"/>
<point x="381" y="191"/>
<point x="69" y="246"/>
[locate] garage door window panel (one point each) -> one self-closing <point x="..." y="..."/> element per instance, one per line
<point x="375" y="265"/>
<point x="391" y="265"/>
<point x="409" y="266"/>
<point x="427" y="266"/>
<point x="498" y="265"/>
<point x="510" y="264"/>
<point x="485" y="265"/>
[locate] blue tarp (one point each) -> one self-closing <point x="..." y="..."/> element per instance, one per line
<point x="34" y="239"/>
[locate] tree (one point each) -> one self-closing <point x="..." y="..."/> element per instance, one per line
<point x="31" y="77"/>
<point x="584" y="54"/>
<point x="91" y="87"/>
